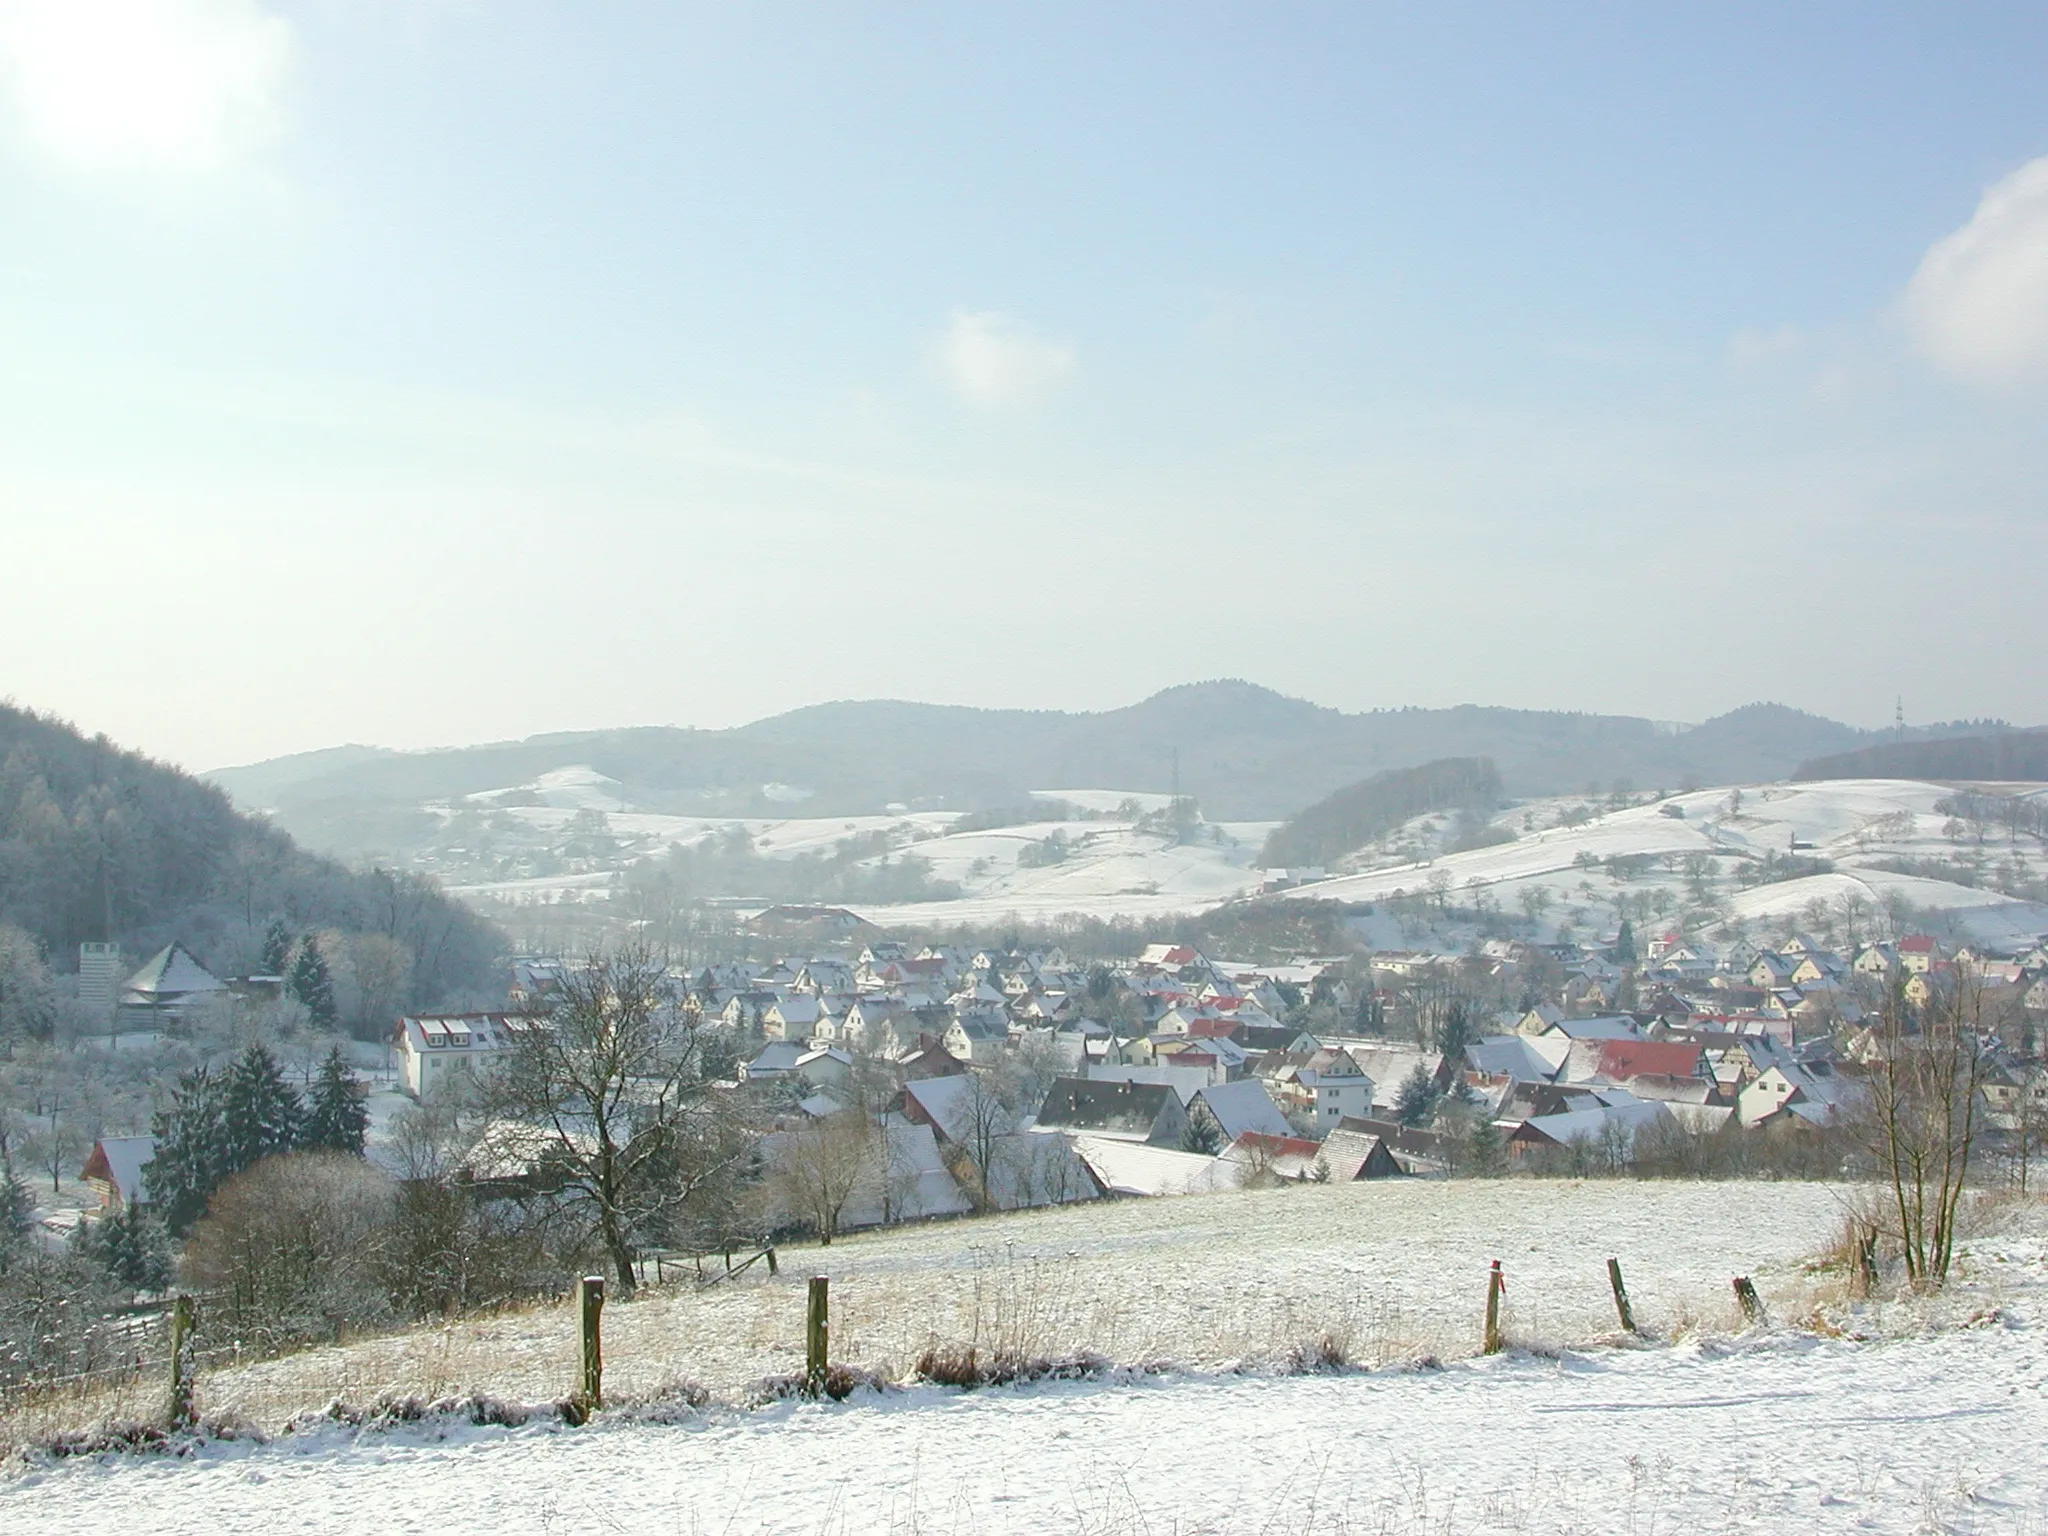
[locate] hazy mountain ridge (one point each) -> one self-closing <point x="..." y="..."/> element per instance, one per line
<point x="2000" y="755"/>
<point x="1244" y="751"/>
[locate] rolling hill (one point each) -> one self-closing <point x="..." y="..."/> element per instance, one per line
<point x="1245" y="752"/>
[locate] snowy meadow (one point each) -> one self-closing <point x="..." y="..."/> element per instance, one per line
<point x="1299" y="1359"/>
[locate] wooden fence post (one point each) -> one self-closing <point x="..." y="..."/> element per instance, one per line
<point x="1746" y="1297"/>
<point x="1495" y="1284"/>
<point x="1621" y="1306"/>
<point x="179" y="1408"/>
<point x="816" y="1329"/>
<point x="590" y="1341"/>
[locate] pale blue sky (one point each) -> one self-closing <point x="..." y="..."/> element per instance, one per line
<point x="424" y="371"/>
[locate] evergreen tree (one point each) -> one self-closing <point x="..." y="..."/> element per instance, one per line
<point x="312" y="985"/>
<point x="130" y="1246"/>
<point x="1454" y="1034"/>
<point x="1415" y="1102"/>
<point x="17" y="1205"/>
<point x="277" y="947"/>
<point x="335" y="1116"/>
<point x="190" y="1160"/>
<point x="1486" y="1155"/>
<point x="262" y="1115"/>
<point x="1625" y="944"/>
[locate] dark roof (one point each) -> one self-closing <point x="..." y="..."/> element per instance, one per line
<point x="1134" y="1108"/>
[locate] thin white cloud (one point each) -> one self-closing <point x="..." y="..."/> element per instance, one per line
<point x="1979" y="303"/>
<point x="994" y="360"/>
<point x="154" y="84"/>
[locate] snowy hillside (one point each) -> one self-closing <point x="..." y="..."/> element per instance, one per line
<point x="1833" y="1415"/>
<point x="1710" y="845"/>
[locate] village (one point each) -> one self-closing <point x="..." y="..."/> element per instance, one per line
<point x="948" y="1081"/>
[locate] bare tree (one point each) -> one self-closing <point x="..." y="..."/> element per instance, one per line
<point x="607" y="1097"/>
<point x="816" y="1168"/>
<point x="1920" y="1123"/>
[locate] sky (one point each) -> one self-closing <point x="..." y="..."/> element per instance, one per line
<point x="421" y="372"/>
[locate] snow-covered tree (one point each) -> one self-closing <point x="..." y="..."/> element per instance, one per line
<point x="190" y="1160"/>
<point x="277" y="947"/>
<point x="313" y="985"/>
<point x="262" y="1115"/>
<point x="336" y="1119"/>
<point x="130" y="1246"/>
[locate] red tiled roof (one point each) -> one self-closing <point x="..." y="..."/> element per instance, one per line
<point x="1623" y="1059"/>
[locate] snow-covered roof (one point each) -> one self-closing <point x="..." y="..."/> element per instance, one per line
<point x="1133" y="1168"/>
<point x="120" y="1160"/>
<point x="1525" y="1058"/>
<point x="1186" y="1082"/>
<point x="1244" y="1106"/>
<point x="170" y="973"/>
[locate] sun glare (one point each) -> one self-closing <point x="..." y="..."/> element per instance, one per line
<point x="150" y="82"/>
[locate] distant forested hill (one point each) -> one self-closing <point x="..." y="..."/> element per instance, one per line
<point x="1245" y="752"/>
<point x="2004" y="754"/>
<point x="98" y="843"/>
<point x="1368" y="810"/>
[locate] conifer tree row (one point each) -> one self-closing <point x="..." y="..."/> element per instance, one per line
<point x="218" y="1124"/>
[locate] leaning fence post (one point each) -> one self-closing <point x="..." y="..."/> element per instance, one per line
<point x="816" y="1327"/>
<point x="1495" y="1284"/>
<point x="1621" y="1306"/>
<point x="1746" y="1297"/>
<point x="179" y="1410"/>
<point x="590" y="1340"/>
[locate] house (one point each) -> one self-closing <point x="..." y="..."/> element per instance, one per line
<point x="791" y="1017"/>
<point x="1124" y="1167"/>
<point x="1352" y="1155"/>
<point x="1186" y="1081"/>
<point x="114" y="1170"/>
<point x="1611" y="1122"/>
<point x="778" y="1058"/>
<point x="1238" y="1109"/>
<point x="169" y="986"/>
<point x="1772" y="970"/>
<point x="440" y="1050"/>
<point x="1918" y="953"/>
<point x="1518" y="1057"/>
<point x="977" y="1035"/>
<point x="1808" y="1093"/>
<point x="1147" y="1112"/>
<point x="1292" y="1159"/>
<point x="930" y="1058"/>
<point x="1414" y="1151"/>
<point x="1619" y="1061"/>
<point x="1616" y="1026"/>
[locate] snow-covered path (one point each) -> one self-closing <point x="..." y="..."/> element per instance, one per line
<point x="1946" y="1432"/>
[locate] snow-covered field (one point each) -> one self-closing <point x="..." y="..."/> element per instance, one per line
<point x="1853" y="824"/>
<point x="1119" y="868"/>
<point x="1836" y="1416"/>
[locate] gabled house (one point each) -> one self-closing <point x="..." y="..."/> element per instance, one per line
<point x="115" y="1168"/>
<point x="793" y="1016"/>
<point x="1809" y="1093"/>
<point x="1238" y="1109"/>
<point x="1349" y="1156"/>
<point x="440" y="1051"/>
<point x="1147" y="1112"/>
